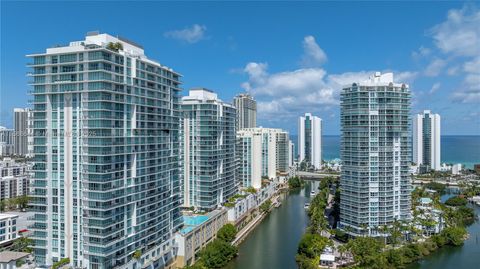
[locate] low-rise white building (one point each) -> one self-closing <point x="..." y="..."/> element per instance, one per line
<point x="197" y="232"/>
<point x="14" y="178"/>
<point x="327" y="258"/>
<point x="6" y="141"/>
<point x="429" y="220"/>
<point x="243" y="206"/>
<point x="456" y="169"/>
<point x="16" y="260"/>
<point x="8" y="228"/>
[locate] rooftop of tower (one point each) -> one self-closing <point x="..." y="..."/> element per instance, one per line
<point x="95" y="40"/>
<point x="378" y="79"/>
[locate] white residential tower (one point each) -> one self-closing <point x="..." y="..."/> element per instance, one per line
<point x="310" y="140"/>
<point x="426" y="139"/>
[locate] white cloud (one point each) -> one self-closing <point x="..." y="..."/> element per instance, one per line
<point x="435" y="88"/>
<point x="459" y="38"/>
<point x="283" y="96"/>
<point x="190" y="35"/>
<point x="313" y="55"/>
<point x="435" y="67"/>
<point x="452" y="70"/>
<point x="460" y="33"/>
<point x="467" y="97"/>
<point x="422" y="52"/>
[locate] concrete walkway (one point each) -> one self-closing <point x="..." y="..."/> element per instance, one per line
<point x="246" y="230"/>
<point x="251" y="225"/>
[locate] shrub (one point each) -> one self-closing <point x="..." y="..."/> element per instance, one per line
<point x="454" y="235"/>
<point x="251" y="190"/>
<point x="137" y="254"/>
<point x="265" y="206"/>
<point x="438" y="187"/>
<point x="456" y="201"/>
<point x="60" y="263"/>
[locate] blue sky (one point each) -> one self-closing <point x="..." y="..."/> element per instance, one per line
<point x="293" y="57"/>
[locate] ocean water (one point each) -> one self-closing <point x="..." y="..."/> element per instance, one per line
<point x="464" y="149"/>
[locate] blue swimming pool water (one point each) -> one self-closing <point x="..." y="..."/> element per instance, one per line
<point x="190" y="222"/>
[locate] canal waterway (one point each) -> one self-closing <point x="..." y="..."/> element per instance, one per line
<point x="273" y="243"/>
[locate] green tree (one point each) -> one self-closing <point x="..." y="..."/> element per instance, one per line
<point x="227" y="233"/>
<point x="304" y="262"/>
<point x="295" y="182"/>
<point x="454" y="235"/>
<point x="22" y="201"/>
<point x="367" y="252"/>
<point x="23" y="244"/>
<point x="438" y="187"/>
<point x="312" y="245"/>
<point x="265" y="207"/>
<point x="456" y="201"/>
<point x="395" y="258"/>
<point x="217" y="254"/>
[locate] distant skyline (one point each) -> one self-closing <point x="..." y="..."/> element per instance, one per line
<point x="293" y="57"/>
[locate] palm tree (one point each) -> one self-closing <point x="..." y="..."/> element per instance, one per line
<point x="395" y="232"/>
<point x="383" y="229"/>
<point x="342" y="249"/>
<point x="364" y="227"/>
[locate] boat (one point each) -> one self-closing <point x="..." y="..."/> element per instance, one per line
<point x="312" y="193"/>
<point x="278" y="204"/>
<point x="307" y="205"/>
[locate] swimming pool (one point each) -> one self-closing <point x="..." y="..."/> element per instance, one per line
<point x="190" y="222"/>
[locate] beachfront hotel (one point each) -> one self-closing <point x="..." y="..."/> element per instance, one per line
<point x="106" y="180"/>
<point x="207" y="131"/>
<point x="310" y="140"/>
<point x="261" y="153"/>
<point x="426" y="139"/>
<point x="375" y="153"/>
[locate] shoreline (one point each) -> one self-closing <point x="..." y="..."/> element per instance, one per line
<point x="250" y="227"/>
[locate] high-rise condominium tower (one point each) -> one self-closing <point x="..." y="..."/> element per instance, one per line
<point x="426" y="139"/>
<point x="310" y="140"/>
<point x="375" y="153"/>
<point x="208" y="149"/>
<point x="20" y="122"/>
<point x="261" y="152"/>
<point x="106" y="173"/>
<point x="246" y="111"/>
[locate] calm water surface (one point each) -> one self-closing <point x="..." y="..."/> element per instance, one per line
<point x="464" y="149"/>
<point x="273" y="243"/>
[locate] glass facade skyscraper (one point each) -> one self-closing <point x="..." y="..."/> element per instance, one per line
<point x="106" y="155"/>
<point x="208" y="149"/>
<point x="375" y="153"/>
<point x="426" y="139"/>
<point x="310" y="140"/>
